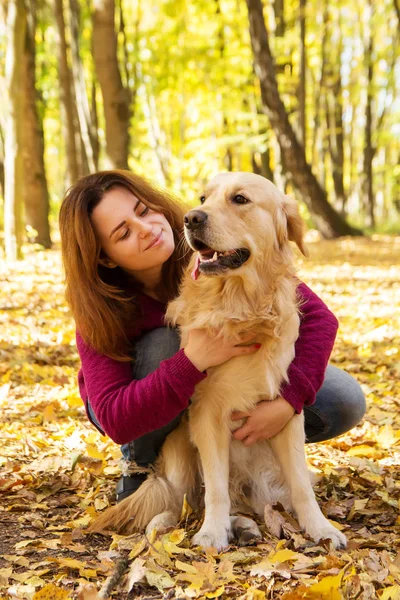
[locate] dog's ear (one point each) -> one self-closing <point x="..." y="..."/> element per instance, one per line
<point x="294" y="226"/>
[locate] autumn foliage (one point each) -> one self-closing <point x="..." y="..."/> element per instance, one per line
<point x="56" y="471"/>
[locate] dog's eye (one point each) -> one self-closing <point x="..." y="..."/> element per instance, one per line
<point x="202" y="199"/>
<point x="239" y="199"/>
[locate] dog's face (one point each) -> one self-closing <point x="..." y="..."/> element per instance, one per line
<point x="243" y="217"/>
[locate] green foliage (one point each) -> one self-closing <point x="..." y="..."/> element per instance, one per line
<point x="197" y="106"/>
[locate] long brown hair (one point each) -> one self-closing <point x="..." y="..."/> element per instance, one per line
<point x="98" y="297"/>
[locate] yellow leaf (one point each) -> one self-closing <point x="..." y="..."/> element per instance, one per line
<point x="186" y="567"/>
<point x="364" y="450"/>
<point x="35" y="581"/>
<point x="284" y="555"/>
<point x="159" y="578"/>
<point x="81" y="522"/>
<point x="49" y="414"/>
<point x="176" y="536"/>
<point x="93" y="452"/>
<point x="51" y="592"/>
<point x="74" y="401"/>
<point x="372" y="478"/>
<point x="73" y="563"/>
<point x="254" y="594"/>
<point x="5" y="574"/>
<point x="25" y="543"/>
<point x="138" y="548"/>
<point x="88" y="573"/>
<point x="337" y="525"/>
<point x="216" y="593"/>
<point x="327" y="588"/>
<point x="186" y="509"/>
<point x="169" y="544"/>
<point x="390" y="593"/>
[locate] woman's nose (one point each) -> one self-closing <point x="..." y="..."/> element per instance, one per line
<point x="144" y="228"/>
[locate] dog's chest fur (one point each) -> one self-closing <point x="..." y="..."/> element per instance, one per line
<point x="270" y="315"/>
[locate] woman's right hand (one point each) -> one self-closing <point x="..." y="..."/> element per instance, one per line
<point x="205" y="350"/>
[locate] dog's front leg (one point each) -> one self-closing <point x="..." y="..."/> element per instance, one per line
<point x="212" y="438"/>
<point x="288" y="445"/>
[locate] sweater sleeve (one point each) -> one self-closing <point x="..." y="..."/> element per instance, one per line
<point x="318" y="328"/>
<point x="127" y="408"/>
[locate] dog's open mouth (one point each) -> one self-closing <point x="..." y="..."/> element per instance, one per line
<point x="211" y="261"/>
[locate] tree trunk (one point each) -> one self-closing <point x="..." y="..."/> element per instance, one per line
<point x="36" y="195"/>
<point x="75" y="164"/>
<point x="228" y="158"/>
<point x="279" y="12"/>
<point x="86" y="128"/>
<point x="261" y="165"/>
<point x="2" y="190"/>
<point x="326" y="219"/>
<point x="334" y="121"/>
<point x="317" y="140"/>
<point x="367" y="187"/>
<point x="397" y="11"/>
<point x="116" y="98"/>
<point x="302" y="84"/>
<point x="13" y="164"/>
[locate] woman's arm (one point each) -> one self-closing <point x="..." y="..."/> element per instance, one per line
<point x="127" y="409"/>
<point x="318" y="328"/>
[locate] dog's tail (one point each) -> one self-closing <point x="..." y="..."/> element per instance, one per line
<point x="133" y="514"/>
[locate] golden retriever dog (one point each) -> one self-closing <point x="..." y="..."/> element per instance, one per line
<point x="241" y="285"/>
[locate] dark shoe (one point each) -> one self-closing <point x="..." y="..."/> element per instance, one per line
<point x="128" y="484"/>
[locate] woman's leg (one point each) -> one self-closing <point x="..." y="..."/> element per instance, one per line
<point x="152" y="348"/>
<point x="340" y="405"/>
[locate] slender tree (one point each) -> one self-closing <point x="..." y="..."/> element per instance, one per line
<point x="303" y="74"/>
<point x="369" y="150"/>
<point x="334" y="118"/>
<point x="326" y="219"/>
<point x="116" y="97"/>
<point x="13" y="163"/>
<point x="36" y="195"/>
<point x="87" y="130"/>
<point x="75" y="164"/>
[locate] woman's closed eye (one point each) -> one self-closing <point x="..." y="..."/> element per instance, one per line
<point x="144" y="211"/>
<point x="125" y="235"/>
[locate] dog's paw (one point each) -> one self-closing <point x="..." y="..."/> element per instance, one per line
<point x="328" y="531"/>
<point x="162" y="522"/>
<point x="246" y="531"/>
<point x="216" y="538"/>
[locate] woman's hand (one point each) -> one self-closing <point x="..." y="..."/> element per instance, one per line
<point x="266" y="420"/>
<point x="205" y="350"/>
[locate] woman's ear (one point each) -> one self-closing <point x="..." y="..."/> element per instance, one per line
<point x="294" y="223"/>
<point x="107" y="262"/>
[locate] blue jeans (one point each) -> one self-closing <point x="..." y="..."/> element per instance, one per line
<point x="339" y="406"/>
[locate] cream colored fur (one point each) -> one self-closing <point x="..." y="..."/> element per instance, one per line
<point x="258" y="299"/>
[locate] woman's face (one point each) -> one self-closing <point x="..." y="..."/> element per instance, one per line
<point x="133" y="237"/>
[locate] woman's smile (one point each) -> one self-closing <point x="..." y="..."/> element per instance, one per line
<point x="156" y="241"/>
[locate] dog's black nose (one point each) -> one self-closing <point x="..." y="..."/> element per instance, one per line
<point x="195" y="218"/>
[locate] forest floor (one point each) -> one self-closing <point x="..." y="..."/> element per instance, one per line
<point x="56" y="471"/>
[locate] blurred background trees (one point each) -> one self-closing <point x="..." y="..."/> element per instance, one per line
<point x="302" y="92"/>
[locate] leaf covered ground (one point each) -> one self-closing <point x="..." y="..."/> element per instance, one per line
<point x="56" y="471"/>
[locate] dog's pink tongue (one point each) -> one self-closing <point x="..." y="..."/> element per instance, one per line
<point x="196" y="270"/>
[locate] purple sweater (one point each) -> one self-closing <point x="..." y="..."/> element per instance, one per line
<point x="127" y="409"/>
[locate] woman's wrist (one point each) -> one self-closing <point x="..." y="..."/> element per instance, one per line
<point x="198" y="364"/>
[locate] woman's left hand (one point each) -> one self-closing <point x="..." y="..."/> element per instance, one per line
<point x="266" y="420"/>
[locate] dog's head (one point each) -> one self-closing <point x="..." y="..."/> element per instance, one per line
<point x="242" y="218"/>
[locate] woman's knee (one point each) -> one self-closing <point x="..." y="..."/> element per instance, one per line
<point x="340" y="405"/>
<point x="152" y="348"/>
<point x="346" y="395"/>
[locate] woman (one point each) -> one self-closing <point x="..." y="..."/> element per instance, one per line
<point x="123" y="262"/>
